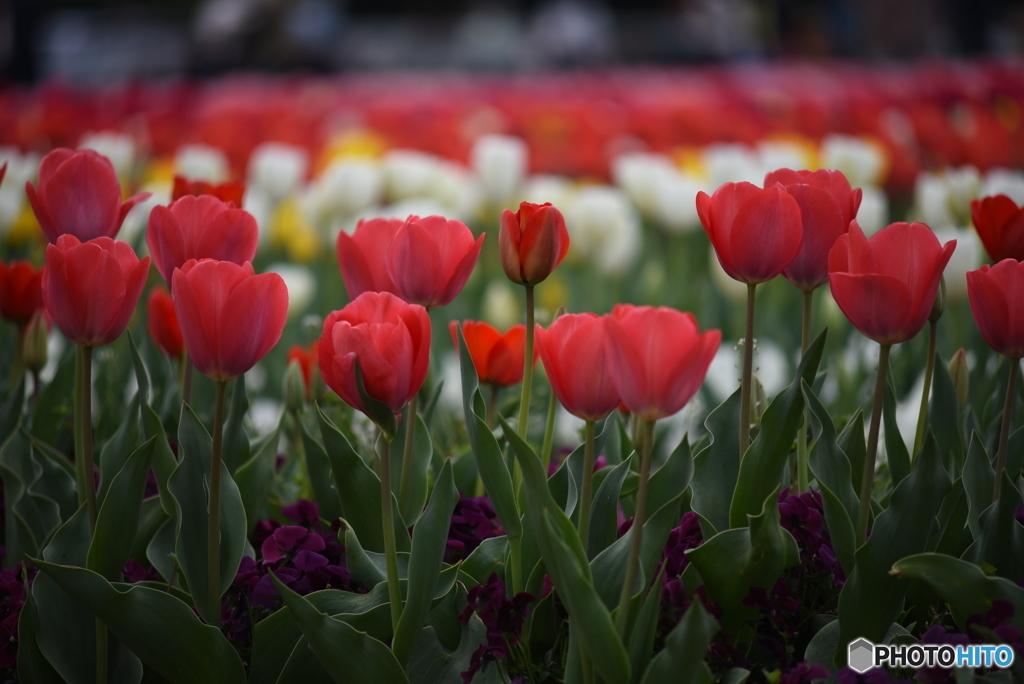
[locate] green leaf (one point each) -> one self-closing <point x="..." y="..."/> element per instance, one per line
<point x="422" y="452"/>
<point x="350" y="656"/>
<point x="118" y="520"/>
<point x="567" y="564"/>
<point x="490" y="463"/>
<point x="717" y="466"/>
<point x="645" y="629"/>
<point x="164" y="461"/>
<point x="56" y="475"/>
<point x="672" y="478"/>
<point x="359" y="490"/>
<point x="189" y="485"/>
<point x="851" y="441"/>
<point x="10" y="410"/>
<point x="485" y="559"/>
<point x="871" y="600"/>
<point x="895" y="447"/>
<point x="979" y="482"/>
<point x="944" y="417"/>
<point x="160" y="550"/>
<point x="429" y="540"/>
<point x="769" y="454"/>
<point x="255" y="477"/>
<point x="359" y="564"/>
<point x="1001" y="543"/>
<point x="30" y="517"/>
<point x="432" y="663"/>
<point x="161" y="630"/>
<point x="55" y="413"/>
<point x="119" y="448"/>
<point x="954" y="536"/>
<point x="682" y="659"/>
<point x="832" y="471"/>
<point x="733" y="561"/>
<point x="963" y="585"/>
<point x="32" y="664"/>
<point x="605" y="508"/>
<point x="235" y="447"/>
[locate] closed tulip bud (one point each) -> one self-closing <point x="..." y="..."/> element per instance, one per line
<point x="1000" y="225"/>
<point x="79" y="195"/>
<point x="960" y="373"/>
<point x="940" y="303"/>
<point x="532" y="242"/>
<point x="36" y="336"/>
<point x="294" y="387"/>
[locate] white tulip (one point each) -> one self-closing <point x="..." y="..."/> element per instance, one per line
<point x="782" y="154"/>
<point x="301" y="285"/>
<point x="944" y="200"/>
<point x="500" y="162"/>
<point x="770" y="366"/>
<point x="119" y="148"/>
<point x="676" y="201"/>
<point x="202" y="162"/>
<point x="501" y="304"/>
<point x="21" y="168"/>
<point x="347" y="187"/>
<point x="138" y="218"/>
<point x="604" y="227"/>
<point x="544" y="188"/>
<point x="860" y="160"/>
<point x="966" y="257"/>
<point x="455" y="189"/>
<point x="873" y="214"/>
<point x="277" y="169"/>
<point x="1004" y="182"/>
<point x="638" y="174"/>
<point x="732" y="163"/>
<point x="407" y="173"/>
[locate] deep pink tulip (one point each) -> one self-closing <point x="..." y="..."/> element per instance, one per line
<point x="90" y="289"/>
<point x="229" y="316"/>
<point x="79" y="195"/>
<point x="430" y="259"/>
<point x="202" y="227"/>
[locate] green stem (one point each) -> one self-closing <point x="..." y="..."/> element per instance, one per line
<point x="80" y="479"/>
<point x="410" y="438"/>
<point x="549" y="431"/>
<point x="524" y="403"/>
<point x="186" y="380"/>
<point x="587" y="492"/>
<point x="803" y="446"/>
<point x="748" y="367"/>
<point x="515" y="545"/>
<point x="1004" y="428"/>
<point x="929" y="371"/>
<point x="388" y="518"/>
<point x="492" y="405"/>
<point x="85" y="438"/>
<point x="868" y="479"/>
<point x="637" y="530"/>
<point x="213" y="514"/>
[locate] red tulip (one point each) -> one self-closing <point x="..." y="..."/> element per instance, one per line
<point x="200" y="228"/>
<point x="997" y="302"/>
<point x="497" y="357"/>
<point x="90" y="289"/>
<point x="532" y="241"/>
<point x="827" y="205"/>
<point x="306" y="357"/>
<point x="1000" y="225"/>
<point x="391" y="339"/>
<point x="658" y="357"/>
<point x="886" y="285"/>
<point x="79" y="195"/>
<point x="576" y="360"/>
<point x="163" y="323"/>
<point x="430" y="259"/>
<point x="21" y="291"/>
<point x="756" y="233"/>
<point x="361" y="256"/>
<point x="231" y="191"/>
<point x="229" y="316"/>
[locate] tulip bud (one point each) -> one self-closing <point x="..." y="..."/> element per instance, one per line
<point x="36" y="335"/>
<point x="532" y="242"/>
<point x="960" y="373"/>
<point x="940" y="302"/>
<point x="294" y="387"/>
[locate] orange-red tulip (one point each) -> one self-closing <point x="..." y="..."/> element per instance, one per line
<point x="231" y="191"/>
<point x="21" y="291"/>
<point x="1000" y="225"/>
<point x="576" y="360"/>
<point x="163" y="323"/>
<point x="430" y="259"/>
<point x="90" y="289"/>
<point x="362" y="256"/>
<point x="498" y="357"/>
<point x="532" y="241"/>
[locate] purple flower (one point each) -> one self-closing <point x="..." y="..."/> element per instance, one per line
<point x="473" y="521"/>
<point x="303" y="512"/>
<point x="876" y="676"/>
<point x="289" y="538"/>
<point x="937" y="634"/>
<point x="133" y="572"/>
<point x="503" y="618"/>
<point x="804" y="673"/>
<point x="801" y="514"/>
<point x="685" y="536"/>
<point x="9" y="640"/>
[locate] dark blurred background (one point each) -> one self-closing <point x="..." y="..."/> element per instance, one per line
<point x="93" y="41"/>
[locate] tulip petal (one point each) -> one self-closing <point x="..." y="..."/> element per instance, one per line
<point x="877" y="305"/>
<point x="461" y="272"/>
<point x="991" y="310"/>
<point x="414" y="264"/>
<point x="822" y="225"/>
<point x="251" y="322"/>
<point x="83" y="197"/>
<point x="766" y="235"/>
<point x="166" y="241"/>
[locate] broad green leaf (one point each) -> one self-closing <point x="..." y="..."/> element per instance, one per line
<point x="118" y="520"/>
<point x="32" y="664"/>
<point x="432" y="663"/>
<point x="429" y="539"/>
<point x="30" y="517"/>
<point x="350" y="656"/>
<point x="871" y="600"/>
<point x="895" y="447"/>
<point x="189" y="485"/>
<point x="768" y="455"/>
<point x="10" y="409"/>
<point x="56" y="478"/>
<point x="851" y="441"/>
<point x="161" y="630"/>
<point x="55" y="413"/>
<point x="485" y="559"/>
<point x="151" y="519"/>
<point x="235" y="448"/>
<point x="568" y="566"/>
<point x="303" y="666"/>
<point x="605" y="508"/>
<point x="490" y="463"/>
<point x="944" y="417"/>
<point x="979" y="482"/>
<point x="164" y="461"/>
<point x="359" y="564"/>
<point x="832" y="471"/>
<point x="160" y="550"/>
<point x="682" y="659"/>
<point x="119" y="448"/>
<point x="255" y="477"/>
<point x="359" y="490"/>
<point x="1001" y="543"/>
<point x="716" y="466"/>
<point x="963" y="585"/>
<point x="733" y="561"/>
<point x="953" y="534"/>
<point x="672" y="478"/>
<point x="422" y="452"/>
<point x="645" y="629"/>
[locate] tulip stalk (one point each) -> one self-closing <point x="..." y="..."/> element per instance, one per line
<point x="748" y="367"/>
<point x="868" y="478"/>
<point x="524" y="403"/>
<point x="1004" y="428"/>
<point x="929" y="371"/>
<point x="410" y="440"/>
<point x="388" y="518"/>
<point x="186" y="379"/>
<point x="213" y="518"/>
<point x="587" y="489"/>
<point x="803" y="446"/>
<point x="85" y="467"/>
<point x="549" y="431"/>
<point x="637" y="529"/>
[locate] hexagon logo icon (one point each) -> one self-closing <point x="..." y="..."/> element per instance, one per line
<point x="861" y="655"/>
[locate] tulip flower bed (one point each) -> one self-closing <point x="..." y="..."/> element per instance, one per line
<point x="667" y="464"/>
